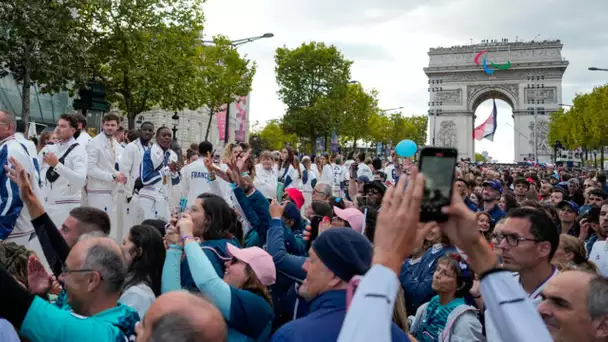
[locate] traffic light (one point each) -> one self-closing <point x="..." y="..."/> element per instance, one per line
<point x="92" y="97"/>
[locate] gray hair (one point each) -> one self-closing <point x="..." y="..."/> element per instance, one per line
<point x="92" y="235"/>
<point x="174" y="327"/>
<point x="9" y="118"/>
<point x="597" y="298"/>
<point x="325" y="189"/>
<point x="109" y="264"/>
<point x="573" y="181"/>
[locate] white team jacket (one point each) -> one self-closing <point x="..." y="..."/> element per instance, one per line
<point x="15" y="221"/>
<point x="130" y="163"/>
<point x="83" y="138"/>
<point x="158" y="183"/>
<point x="101" y="165"/>
<point x="72" y="174"/>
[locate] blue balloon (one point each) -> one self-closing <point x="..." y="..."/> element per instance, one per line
<point x="406" y="148"/>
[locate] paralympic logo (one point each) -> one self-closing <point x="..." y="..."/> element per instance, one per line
<point x="493" y="67"/>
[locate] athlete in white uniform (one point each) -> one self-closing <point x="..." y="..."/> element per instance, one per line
<point x="102" y="176"/>
<point x="130" y="165"/>
<point x="158" y="175"/>
<point x="64" y="171"/>
<point x="15" y="221"/>
<point x="196" y="178"/>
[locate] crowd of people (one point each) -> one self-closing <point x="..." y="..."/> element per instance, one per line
<point x="122" y="237"/>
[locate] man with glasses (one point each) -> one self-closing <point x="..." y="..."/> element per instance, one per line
<point x="527" y="241"/>
<point x="94" y="275"/>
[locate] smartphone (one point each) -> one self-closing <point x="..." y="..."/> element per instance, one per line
<point x="280" y="190"/>
<point x="437" y="166"/>
<point x="354" y="167"/>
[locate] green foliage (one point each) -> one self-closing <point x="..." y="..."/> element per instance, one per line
<point x="359" y="106"/>
<point x="480" y="158"/>
<point x="43" y="43"/>
<point x="225" y="75"/>
<point x="585" y="124"/>
<point x="273" y="136"/>
<point x="147" y="53"/>
<point x="396" y="127"/>
<point x="313" y="83"/>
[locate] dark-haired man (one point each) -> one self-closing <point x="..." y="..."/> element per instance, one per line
<point x="522" y="186"/>
<point x="82" y="136"/>
<point x="158" y="175"/>
<point x="527" y="241"/>
<point x="102" y="173"/>
<point x="129" y="165"/>
<point x="63" y="171"/>
<point x="492" y="190"/>
<point x="197" y="178"/>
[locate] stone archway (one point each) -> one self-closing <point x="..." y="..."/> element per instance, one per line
<point x="532" y="86"/>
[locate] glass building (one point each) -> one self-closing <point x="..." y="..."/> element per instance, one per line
<point x="45" y="109"/>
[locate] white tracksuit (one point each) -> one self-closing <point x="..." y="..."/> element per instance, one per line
<point x="101" y="166"/>
<point x="196" y="180"/>
<point x="83" y="139"/>
<point x="65" y="193"/>
<point x="155" y="196"/>
<point x="130" y="165"/>
<point x="15" y="220"/>
<point x="266" y="181"/>
<point x="119" y="199"/>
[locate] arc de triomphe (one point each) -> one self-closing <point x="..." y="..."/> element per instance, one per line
<point x="526" y="75"/>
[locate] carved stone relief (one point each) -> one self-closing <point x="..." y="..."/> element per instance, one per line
<point x="447" y="134"/>
<point x="541" y="132"/>
<point x="450" y="97"/>
<point x="543" y="94"/>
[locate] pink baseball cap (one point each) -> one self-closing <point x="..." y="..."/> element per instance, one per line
<point x="258" y="259"/>
<point x="353" y="216"/>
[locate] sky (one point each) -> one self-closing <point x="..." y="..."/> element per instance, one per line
<point x="388" y="41"/>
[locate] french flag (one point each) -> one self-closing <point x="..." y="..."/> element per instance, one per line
<point x="487" y="128"/>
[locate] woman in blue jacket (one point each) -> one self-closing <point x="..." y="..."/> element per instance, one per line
<point x="417" y="277"/>
<point x="215" y="225"/>
<point x="241" y="296"/>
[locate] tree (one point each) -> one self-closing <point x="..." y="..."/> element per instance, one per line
<point x="274" y="137"/>
<point x="147" y="53"/>
<point x="480" y="158"/>
<point x="225" y="75"/>
<point x="395" y="127"/>
<point x="313" y="82"/>
<point x="43" y="43"/>
<point x="359" y="106"/>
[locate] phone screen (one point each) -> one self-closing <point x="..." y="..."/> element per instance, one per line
<point x="438" y="173"/>
<point x="438" y="167"/>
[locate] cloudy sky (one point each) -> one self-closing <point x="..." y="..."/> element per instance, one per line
<point x="388" y="41"/>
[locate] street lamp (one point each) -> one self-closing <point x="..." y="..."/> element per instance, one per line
<point x="175" y="119"/>
<point x="597" y="69"/>
<point x="236" y="43"/>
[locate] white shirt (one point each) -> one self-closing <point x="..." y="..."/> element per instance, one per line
<point x="599" y="256"/>
<point x="196" y="180"/>
<point x="492" y="331"/>
<point x="346" y="168"/>
<point x="139" y="298"/>
<point x="31" y="147"/>
<point x="7" y="332"/>
<point x="391" y="173"/>
<point x="327" y="176"/>
<point x="266" y="181"/>
<point x="364" y="170"/>
<point x="72" y="173"/>
<point x="130" y="163"/>
<point x="83" y="138"/>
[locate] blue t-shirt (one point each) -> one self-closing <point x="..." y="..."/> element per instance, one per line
<point x="48" y="323"/>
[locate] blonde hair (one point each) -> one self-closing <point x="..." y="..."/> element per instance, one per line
<point x="399" y="313"/>
<point x="266" y="155"/>
<point x="227" y="155"/>
<point x="580" y="262"/>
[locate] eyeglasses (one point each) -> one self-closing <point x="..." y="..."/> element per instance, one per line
<point x="66" y="270"/>
<point x="512" y="240"/>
